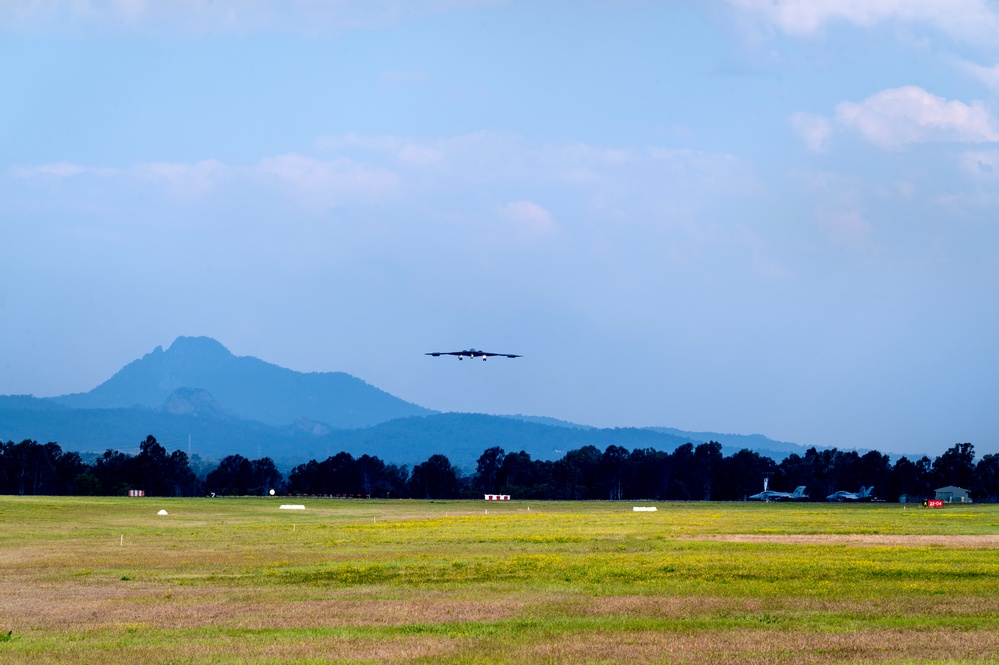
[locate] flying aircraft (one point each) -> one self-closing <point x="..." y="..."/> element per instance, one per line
<point x="471" y="353"/>
<point x="865" y="494"/>
<point x="773" y="495"/>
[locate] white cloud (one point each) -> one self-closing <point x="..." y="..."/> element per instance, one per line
<point x="898" y="117"/>
<point x="397" y="148"/>
<point x="462" y="178"/>
<point x="527" y="218"/>
<point x="814" y="130"/>
<point x="973" y="20"/>
<point x="184" y="180"/>
<point x="218" y="16"/>
<point x="412" y="153"/>
<point x="61" y="170"/>
<point x="329" y="182"/>
<point x="846" y="229"/>
<point x="987" y="75"/>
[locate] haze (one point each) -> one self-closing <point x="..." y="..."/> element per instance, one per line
<point x="730" y="215"/>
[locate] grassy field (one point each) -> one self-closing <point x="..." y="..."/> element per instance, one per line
<point x="94" y="580"/>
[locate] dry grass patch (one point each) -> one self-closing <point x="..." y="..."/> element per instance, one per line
<point x="102" y="604"/>
<point x="763" y="647"/>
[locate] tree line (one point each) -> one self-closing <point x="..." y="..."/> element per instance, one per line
<point x="688" y="473"/>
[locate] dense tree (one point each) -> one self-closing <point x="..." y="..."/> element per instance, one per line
<point x="613" y="472"/>
<point x="741" y="475"/>
<point x="30" y="467"/>
<point x="112" y="472"/>
<point x="68" y="468"/>
<point x="876" y="470"/>
<point x="909" y="478"/>
<point x="341" y="474"/>
<point x="688" y="473"/>
<point x="521" y="476"/>
<point x="337" y="475"/>
<point x="232" y="477"/>
<point x="266" y="477"/>
<point x="648" y="474"/>
<point x="379" y="479"/>
<point x="707" y="463"/>
<point x="488" y="470"/>
<point x="434" y="479"/>
<point x="985" y="487"/>
<point x="574" y="476"/>
<point x="680" y="480"/>
<point x="955" y="467"/>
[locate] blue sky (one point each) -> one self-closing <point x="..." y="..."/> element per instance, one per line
<point x="731" y="215"/>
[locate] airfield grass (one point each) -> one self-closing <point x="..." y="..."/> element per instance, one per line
<point x="93" y="580"/>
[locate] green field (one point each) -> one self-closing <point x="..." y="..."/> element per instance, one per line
<point x="93" y="580"/>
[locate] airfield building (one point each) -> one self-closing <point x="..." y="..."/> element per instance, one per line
<point x="951" y="494"/>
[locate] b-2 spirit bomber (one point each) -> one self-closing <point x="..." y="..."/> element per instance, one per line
<point x="471" y="353"/>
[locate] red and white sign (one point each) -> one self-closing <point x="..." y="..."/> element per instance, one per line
<point x="497" y="497"/>
<point x="934" y="503"/>
<point x="136" y="493"/>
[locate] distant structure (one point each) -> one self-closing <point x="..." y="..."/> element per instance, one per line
<point x="497" y="497"/>
<point x="136" y="492"/>
<point x="952" y="494"/>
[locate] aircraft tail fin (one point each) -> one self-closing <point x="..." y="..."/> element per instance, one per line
<point x="866" y="492"/>
<point x="799" y="492"/>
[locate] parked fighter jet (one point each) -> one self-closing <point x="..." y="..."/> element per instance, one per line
<point x="471" y="353"/>
<point x="865" y="494"/>
<point x="773" y="495"/>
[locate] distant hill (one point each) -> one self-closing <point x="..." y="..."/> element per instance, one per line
<point x="246" y="387"/>
<point x="96" y="430"/>
<point x="776" y="450"/>
<point x="462" y="437"/>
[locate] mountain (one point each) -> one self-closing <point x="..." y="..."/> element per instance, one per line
<point x="248" y="387"/>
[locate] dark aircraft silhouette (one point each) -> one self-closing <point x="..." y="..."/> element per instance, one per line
<point x="471" y="353"/>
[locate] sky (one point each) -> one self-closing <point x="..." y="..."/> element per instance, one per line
<point x="741" y="216"/>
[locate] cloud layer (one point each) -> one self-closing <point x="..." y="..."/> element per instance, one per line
<point x="899" y="117"/>
<point x="972" y="20"/>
